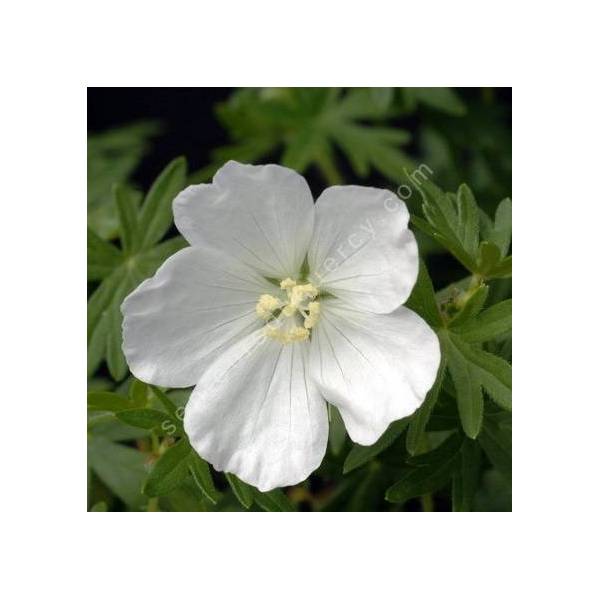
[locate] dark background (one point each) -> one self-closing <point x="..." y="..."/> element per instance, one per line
<point x="192" y="129"/>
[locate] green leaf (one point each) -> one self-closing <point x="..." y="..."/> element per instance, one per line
<point x="127" y="203"/>
<point x="337" y="430"/>
<point x="202" y="478"/>
<point x="112" y="157"/>
<point x="110" y="401"/>
<point x="139" y="392"/>
<point x="144" y="418"/>
<point x="166" y="402"/>
<point x="449" y="447"/>
<point x="243" y="492"/>
<point x="468" y="219"/>
<point x="359" y="455"/>
<point x="468" y="387"/>
<point x="448" y="225"/>
<point x="497" y="445"/>
<point x="422" y="298"/>
<point x="99" y="507"/>
<point x="490" y="324"/>
<point x="102" y="257"/>
<point x="502" y="270"/>
<point x="440" y="98"/>
<point x="121" y="468"/>
<point x="475" y="299"/>
<point x="488" y="370"/>
<point x="169" y="471"/>
<point x="502" y="230"/>
<point x="489" y="258"/>
<point x="156" y="215"/>
<point x="418" y="422"/>
<point x="428" y="477"/>
<point x="306" y="123"/>
<point x="273" y="501"/>
<point x="466" y="477"/>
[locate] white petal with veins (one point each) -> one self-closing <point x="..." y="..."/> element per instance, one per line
<point x="362" y="250"/>
<point x="263" y="215"/>
<point x="374" y="368"/>
<point x="198" y="304"/>
<point x="255" y="413"/>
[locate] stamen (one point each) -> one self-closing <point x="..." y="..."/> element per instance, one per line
<point x="266" y="305"/>
<point x="314" y="313"/>
<point x="299" y="308"/>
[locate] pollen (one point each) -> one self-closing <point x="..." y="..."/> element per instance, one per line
<point x="267" y="305"/>
<point x="292" y="319"/>
<point x="312" y="318"/>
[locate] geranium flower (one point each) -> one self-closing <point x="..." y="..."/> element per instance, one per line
<point x="278" y="306"/>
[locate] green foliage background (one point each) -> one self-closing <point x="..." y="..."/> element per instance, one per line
<point x="454" y="453"/>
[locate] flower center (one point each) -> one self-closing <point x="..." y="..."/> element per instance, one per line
<point x="292" y="319"/>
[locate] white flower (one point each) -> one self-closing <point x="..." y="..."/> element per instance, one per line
<point x="279" y="305"/>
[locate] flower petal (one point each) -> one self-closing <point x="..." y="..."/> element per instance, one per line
<point x="254" y="413"/>
<point x="374" y="368"/>
<point x="362" y="250"/>
<point x="197" y="304"/>
<point x="263" y="214"/>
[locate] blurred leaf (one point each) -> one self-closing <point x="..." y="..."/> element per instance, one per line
<point x="121" y="468"/>
<point x="102" y="257"/>
<point x="139" y="392"/>
<point x="359" y="455"/>
<point x="170" y="407"/>
<point x="104" y="316"/>
<point x="497" y="445"/>
<point x="337" y="430"/>
<point x="304" y="124"/>
<point x="273" y="501"/>
<point x="450" y="446"/>
<point x="502" y="269"/>
<point x="127" y="202"/>
<point x="99" y="507"/>
<point x="440" y="98"/>
<point x="435" y="471"/>
<point x="156" y="214"/>
<point x="112" y="157"/>
<point x="466" y="477"/>
<point x="169" y="471"/>
<point x="111" y="401"/>
<point x="145" y="418"/>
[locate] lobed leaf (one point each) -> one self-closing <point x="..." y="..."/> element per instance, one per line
<point x="156" y="214"/>
<point x="490" y="324"/>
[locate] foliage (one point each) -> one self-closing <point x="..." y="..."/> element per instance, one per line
<point x="454" y="453"/>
